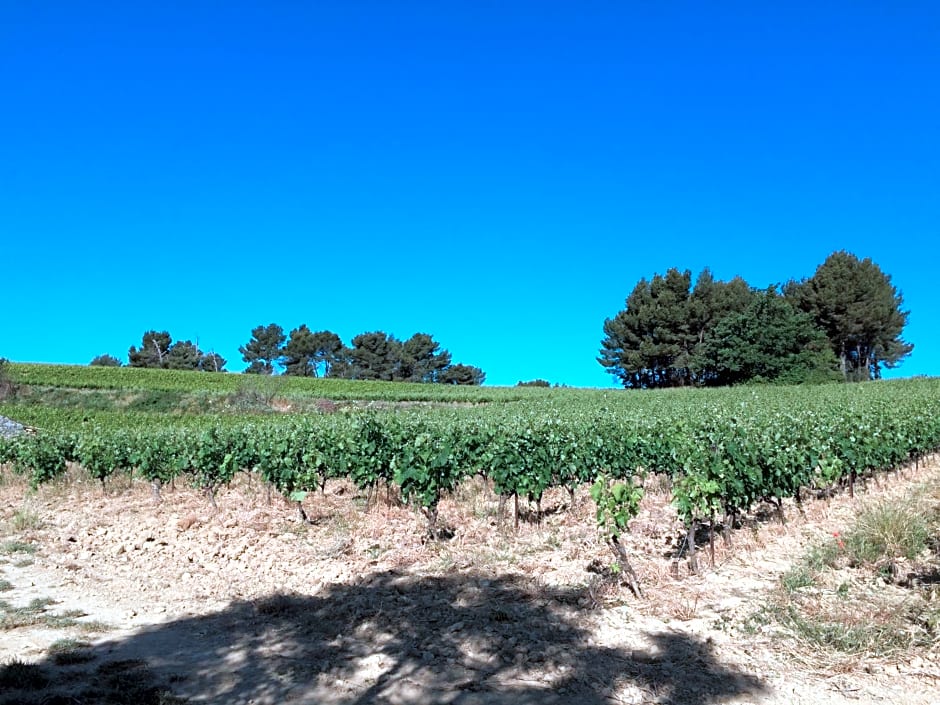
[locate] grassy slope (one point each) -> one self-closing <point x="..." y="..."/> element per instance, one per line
<point x="129" y="378"/>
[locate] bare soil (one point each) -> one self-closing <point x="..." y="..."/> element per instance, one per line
<point x="248" y="604"/>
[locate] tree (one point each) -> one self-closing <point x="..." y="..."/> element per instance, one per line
<point x="711" y="301"/>
<point x="309" y="354"/>
<point x="854" y="302"/>
<point x="154" y="348"/>
<point x="462" y="374"/>
<point x="212" y="362"/>
<point x="770" y="340"/>
<point x="375" y="356"/>
<point x="105" y="361"/>
<point x="183" y="355"/>
<point x="264" y="350"/>
<point x="422" y="359"/>
<point x="649" y="343"/>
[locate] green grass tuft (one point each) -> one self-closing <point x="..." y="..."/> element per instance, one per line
<point x="13" y="546"/>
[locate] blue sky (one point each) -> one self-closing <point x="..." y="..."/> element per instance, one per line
<point x="499" y="175"/>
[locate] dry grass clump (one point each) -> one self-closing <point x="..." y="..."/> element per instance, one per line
<point x="870" y="592"/>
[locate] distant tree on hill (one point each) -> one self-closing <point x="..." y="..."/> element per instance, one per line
<point x="264" y="350"/>
<point x="105" y="361"/>
<point x="158" y="350"/>
<point x="212" y="362"/>
<point x="854" y="302"/>
<point x="375" y="356"/>
<point x="422" y="359"/>
<point x="309" y="354"/>
<point x="534" y="383"/>
<point x="462" y="374"/>
<point x="153" y="351"/>
<point x="183" y="355"/>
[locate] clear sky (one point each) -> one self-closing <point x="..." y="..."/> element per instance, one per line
<point x="497" y="174"/>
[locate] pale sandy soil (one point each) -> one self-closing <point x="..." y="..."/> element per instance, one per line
<point x="246" y="604"/>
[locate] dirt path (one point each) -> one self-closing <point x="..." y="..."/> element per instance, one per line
<point x="249" y="605"/>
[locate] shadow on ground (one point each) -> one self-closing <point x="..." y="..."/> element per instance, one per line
<point x="465" y="639"/>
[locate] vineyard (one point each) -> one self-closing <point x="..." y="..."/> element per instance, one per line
<point x="722" y="452"/>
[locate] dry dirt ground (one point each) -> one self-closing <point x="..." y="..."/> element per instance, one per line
<point x="247" y="604"/>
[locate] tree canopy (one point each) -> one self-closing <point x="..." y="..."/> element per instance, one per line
<point x="847" y="318"/>
<point x="374" y="355"/>
<point x="157" y="349"/>
<point x="105" y="361"/>
<point x="658" y="339"/>
<point x="854" y="302"/>
<point x="264" y="350"/>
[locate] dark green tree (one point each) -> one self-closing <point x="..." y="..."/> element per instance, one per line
<point x="422" y="359"/>
<point x="309" y="354"/>
<point x="534" y="383"/>
<point x="105" y="361"/>
<point x="854" y="302"/>
<point x="264" y="350"/>
<point x="769" y="341"/>
<point x="462" y="374"/>
<point x="649" y="343"/>
<point x="212" y="362"/>
<point x="375" y="356"/>
<point x="298" y="353"/>
<point x="153" y="351"/>
<point x="183" y="355"/>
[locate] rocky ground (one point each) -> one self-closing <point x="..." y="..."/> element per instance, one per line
<point x="245" y="603"/>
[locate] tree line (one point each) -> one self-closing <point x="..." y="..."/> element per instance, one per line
<point x="371" y="356"/>
<point x="843" y="323"/>
<point x="305" y="353"/>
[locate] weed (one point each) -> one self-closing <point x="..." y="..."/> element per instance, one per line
<point x="19" y="675"/>
<point x="25" y="518"/>
<point x="797" y="578"/>
<point x="9" y="547"/>
<point x="5" y="585"/>
<point x="824" y="556"/>
<point x="865" y="611"/>
<point x="887" y="531"/>
<point x="25" y="563"/>
<point x="68" y="652"/>
<point x="93" y="626"/>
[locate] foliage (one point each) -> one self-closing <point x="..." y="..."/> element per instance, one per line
<point x="768" y="341"/>
<point x="847" y="316"/>
<point x="617" y="503"/>
<point x="534" y="383"/>
<point x="855" y="303"/>
<point x="422" y="359"/>
<point x="374" y="356"/>
<point x="153" y="351"/>
<point x="264" y="350"/>
<point x="656" y="340"/>
<point x="724" y="450"/>
<point x="158" y="350"/>
<point x="106" y="361"/>
<point x="309" y="354"/>
<point x="466" y="375"/>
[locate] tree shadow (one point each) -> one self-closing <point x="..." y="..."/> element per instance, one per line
<point x="465" y="639"/>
